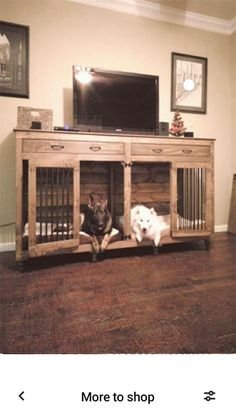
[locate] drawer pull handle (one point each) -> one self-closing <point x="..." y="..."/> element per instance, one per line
<point x="187" y="151"/>
<point x="57" y="147"/>
<point x="93" y="148"/>
<point x="157" y="150"/>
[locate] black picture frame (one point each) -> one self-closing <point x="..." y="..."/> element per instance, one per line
<point x="191" y="71"/>
<point x="14" y="62"/>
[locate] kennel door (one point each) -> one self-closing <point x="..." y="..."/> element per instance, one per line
<point x="53" y="206"/>
<point x="191" y="200"/>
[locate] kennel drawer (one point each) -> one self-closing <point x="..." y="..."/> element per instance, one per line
<point x="169" y="150"/>
<point x="79" y="147"/>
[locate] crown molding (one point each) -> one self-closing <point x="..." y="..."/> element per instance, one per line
<point x="161" y="13"/>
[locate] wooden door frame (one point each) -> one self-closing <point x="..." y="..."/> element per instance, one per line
<point x="209" y="200"/>
<point x="40" y="249"/>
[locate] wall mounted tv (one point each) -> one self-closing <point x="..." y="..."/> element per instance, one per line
<point x="115" y="101"/>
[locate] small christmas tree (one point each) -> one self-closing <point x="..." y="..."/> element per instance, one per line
<point x="177" y="125"/>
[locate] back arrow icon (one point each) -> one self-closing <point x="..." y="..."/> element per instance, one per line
<point x="21" y="395"/>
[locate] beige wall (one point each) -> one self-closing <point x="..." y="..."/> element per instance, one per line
<point x="66" y="33"/>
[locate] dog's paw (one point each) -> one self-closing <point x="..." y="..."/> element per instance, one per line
<point x="105" y="242"/>
<point x="96" y="248"/>
<point x="157" y="240"/>
<point x="103" y="247"/>
<point x="139" y="238"/>
<point x="133" y="236"/>
<point x="95" y="244"/>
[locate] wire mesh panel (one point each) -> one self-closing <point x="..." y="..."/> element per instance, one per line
<point x="54" y="204"/>
<point x="191" y="199"/>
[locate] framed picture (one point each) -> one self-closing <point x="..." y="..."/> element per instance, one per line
<point x="14" y="60"/>
<point x="188" y="83"/>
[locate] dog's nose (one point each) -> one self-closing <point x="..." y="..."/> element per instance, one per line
<point x="144" y="230"/>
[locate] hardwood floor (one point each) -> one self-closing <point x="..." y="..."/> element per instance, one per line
<point x="181" y="301"/>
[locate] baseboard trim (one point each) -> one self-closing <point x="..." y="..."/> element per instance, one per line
<point x="8" y="247"/>
<point x="11" y="246"/>
<point x="221" y="228"/>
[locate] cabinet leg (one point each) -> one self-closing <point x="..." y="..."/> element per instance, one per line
<point x="155" y="250"/>
<point x="94" y="257"/>
<point x="208" y="244"/>
<point x="21" y="266"/>
<point x="101" y="256"/>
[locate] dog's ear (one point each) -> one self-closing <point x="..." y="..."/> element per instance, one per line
<point x="104" y="203"/>
<point x="90" y="201"/>
<point x="136" y="210"/>
<point x="152" y="211"/>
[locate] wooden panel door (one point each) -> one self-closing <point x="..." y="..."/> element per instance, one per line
<point x="191" y="199"/>
<point x="53" y="206"/>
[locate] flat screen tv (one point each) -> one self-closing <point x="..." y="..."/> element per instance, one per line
<point x="115" y="101"/>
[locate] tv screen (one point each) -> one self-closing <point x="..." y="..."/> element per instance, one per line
<point x="115" y="101"/>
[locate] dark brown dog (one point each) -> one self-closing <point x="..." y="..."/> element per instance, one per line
<point x="98" y="222"/>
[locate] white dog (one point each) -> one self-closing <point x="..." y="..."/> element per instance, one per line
<point x="146" y="224"/>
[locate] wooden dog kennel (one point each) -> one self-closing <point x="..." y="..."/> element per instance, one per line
<point x="56" y="171"/>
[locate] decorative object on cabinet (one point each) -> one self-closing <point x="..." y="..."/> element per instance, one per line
<point x="34" y="118"/>
<point x="189" y="131"/>
<point x="55" y="172"/>
<point x="189" y="134"/>
<point x="188" y="83"/>
<point x="163" y="128"/>
<point x="177" y="125"/>
<point x="14" y="67"/>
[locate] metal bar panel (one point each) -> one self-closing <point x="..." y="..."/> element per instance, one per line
<point x="173" y="192"/>
<point x="198" y="199"/>
<point x="40" y="172"/>
<point x="57" y="202"/>
<point x="76" y="202"/>
<point x="68" y="201"/>
<point x="62" y="199"/>
<point x="185" y="197"/>
<point x="188" y="199"/>
<point x="204" y="199"/>
<point x="51" y="203"/>
<point x="46" y="205"/>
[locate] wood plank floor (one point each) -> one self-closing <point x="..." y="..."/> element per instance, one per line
<point x="181" y="301"/>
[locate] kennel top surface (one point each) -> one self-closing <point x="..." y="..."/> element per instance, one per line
<point x="107" y="136"/>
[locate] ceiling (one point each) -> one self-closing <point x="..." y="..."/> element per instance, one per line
<point x="223" y="9"/>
